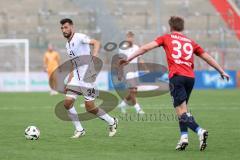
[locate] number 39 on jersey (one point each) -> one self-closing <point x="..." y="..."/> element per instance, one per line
<point x="182" y="49"/>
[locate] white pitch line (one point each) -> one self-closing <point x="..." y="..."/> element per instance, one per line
<point x="200" y="104"/>
<point x="217" y="106"/>
<point x="150" y="108"/>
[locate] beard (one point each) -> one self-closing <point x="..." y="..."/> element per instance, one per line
<point x="67" y="35"/>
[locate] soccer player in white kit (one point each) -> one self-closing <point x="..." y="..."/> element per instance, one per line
<point x="78" y="48"/>
<point x="131" y="76"/>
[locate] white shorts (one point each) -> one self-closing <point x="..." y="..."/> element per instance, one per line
<point x="79" y="87"/>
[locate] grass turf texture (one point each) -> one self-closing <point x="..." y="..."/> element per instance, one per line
<point x="144" y="138"/>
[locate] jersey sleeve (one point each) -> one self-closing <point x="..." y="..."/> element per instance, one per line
<point x="198" y="50"/>
<point x="120" y="51"/>
<point x="137" y="48"/>
<point x="85" y="39"/>
<point x="121" y="54"/>
<point x="159" y="40"/>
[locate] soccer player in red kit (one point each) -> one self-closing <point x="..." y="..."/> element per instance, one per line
<point x="179" y="52"/>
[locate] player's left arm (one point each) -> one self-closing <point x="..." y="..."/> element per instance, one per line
<point x="207" y="58"/>
<point x="142" y="50"/>
<point x="96" y="47"/>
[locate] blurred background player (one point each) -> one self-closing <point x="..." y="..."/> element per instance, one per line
<point x="51" y="61"/>
<point x="78" y="47"/>
<point x="179" y="52"/>
<point x="131" y="75"/>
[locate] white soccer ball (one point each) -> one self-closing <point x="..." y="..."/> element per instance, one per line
<point x="32" y="133"/>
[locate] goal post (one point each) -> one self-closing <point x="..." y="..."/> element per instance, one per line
<point x="15" y="43"/>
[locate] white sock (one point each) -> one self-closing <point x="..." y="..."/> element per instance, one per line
<point x="104" y="116"/>
<point x="199" y="131"/>
<point x="73" y="115"/>
<point x="137" y="107"/>
<point x="122" y="104"/>
<point x="184" y="136"/>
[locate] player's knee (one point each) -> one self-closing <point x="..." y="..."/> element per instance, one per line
<point x="92" y="110"/>
<point x="186" y="117"/>
<point x="133" y="91"/>
<point x="133" y="95"/>
<point x="68" y="103"/>
<point x="181" y="108"/>
<point x="183" y="117"/>
<point x="90" y="107"/>
<point x="128" y="98"/>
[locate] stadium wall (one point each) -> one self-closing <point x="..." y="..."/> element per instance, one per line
<point x="204" y="79"/>
<point x="212" y="80"/>
<point x="15" y="82"/>
<point x="38" y="82"/>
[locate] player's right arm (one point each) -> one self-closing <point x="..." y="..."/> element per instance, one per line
<point x="207" y="58"/>
<point x="69" y="79"/>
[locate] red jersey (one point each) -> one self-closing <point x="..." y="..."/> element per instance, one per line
<point x="179" y="51"/>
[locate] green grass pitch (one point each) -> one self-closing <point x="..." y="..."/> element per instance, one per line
<point x="147" y="138"/>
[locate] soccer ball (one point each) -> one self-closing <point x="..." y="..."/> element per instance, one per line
<point x="32" y="133"/>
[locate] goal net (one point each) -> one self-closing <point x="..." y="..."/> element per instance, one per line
<point x="14" y="65"/>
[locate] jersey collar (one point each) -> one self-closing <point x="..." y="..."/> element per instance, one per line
<point x="175" y="32"/>
<point x="71" y="38"/>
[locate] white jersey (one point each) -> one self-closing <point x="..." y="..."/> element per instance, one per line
<point x="128" y="52"/>
<point x="79" y="46"/>
<point x="132" y="70"/>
